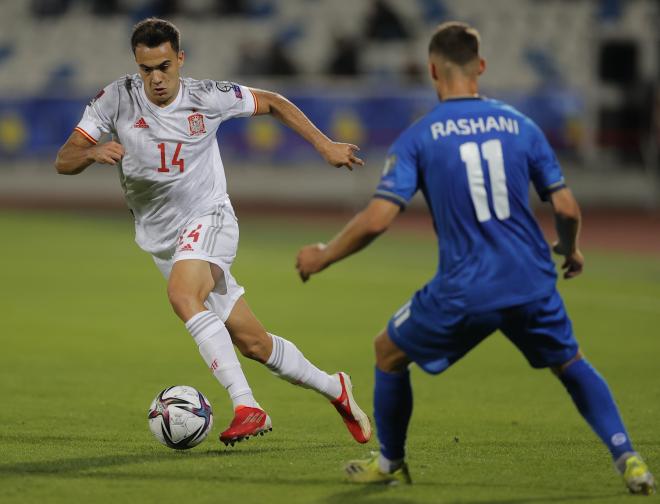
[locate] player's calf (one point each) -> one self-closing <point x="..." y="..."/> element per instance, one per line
<point x="248" y="334"/>
<point x="256" y="346"/>
<point x="594" y="401"/>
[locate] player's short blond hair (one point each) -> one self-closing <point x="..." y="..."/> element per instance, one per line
<point x="455" y="41"/>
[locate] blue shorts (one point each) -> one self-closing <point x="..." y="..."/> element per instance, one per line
<point x="540" y="329"/>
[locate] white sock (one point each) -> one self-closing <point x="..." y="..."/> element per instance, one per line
<point x="388" y="466"/>
<point x="290" y="364"/>
<point x="218" y="352"/>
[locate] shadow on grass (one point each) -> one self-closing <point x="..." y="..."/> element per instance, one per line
<point x="95" y="468"/>
<point x="77" y="465"/>
<point x="371" y="493"/>
<point x="379" y="493"/>
<point x="114" y="465"/>
<point x="92" y="467"/>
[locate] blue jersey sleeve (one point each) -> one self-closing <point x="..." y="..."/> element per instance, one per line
<point x="399" y="181"/>
<point x="545" y="171"/>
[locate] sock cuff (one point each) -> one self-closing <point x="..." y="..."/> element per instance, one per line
<point x="392" y="377"/>
<point x="620" y="462"/>
<point x="277" y="355"/>
<point x="576" y="368"/>
<point x="387" y="465"/>
<point x="197" y="326"/>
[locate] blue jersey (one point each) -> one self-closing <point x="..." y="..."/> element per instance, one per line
<point x="473" y="159"/>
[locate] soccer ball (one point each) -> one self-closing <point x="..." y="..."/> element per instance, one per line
<point x="180" y="417"/>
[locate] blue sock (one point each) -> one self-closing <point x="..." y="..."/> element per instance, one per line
<point x="393" y="403"/>
<point x="594" y="401"/>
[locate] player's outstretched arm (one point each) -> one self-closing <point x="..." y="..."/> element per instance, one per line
<point x="78" y="153"/>
<point x="336" y="153"/>
<point x="567" y="223"/>
<point x="357" y="234"/>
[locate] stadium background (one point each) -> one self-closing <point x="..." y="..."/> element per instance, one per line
<point x="586" y="71"/>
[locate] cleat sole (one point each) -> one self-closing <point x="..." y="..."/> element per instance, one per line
<point x="232" y="442"/>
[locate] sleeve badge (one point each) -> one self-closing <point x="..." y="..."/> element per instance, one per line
<point x="390" y="161"/>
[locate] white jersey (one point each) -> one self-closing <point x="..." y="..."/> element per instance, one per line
<point x="171" y="170"/>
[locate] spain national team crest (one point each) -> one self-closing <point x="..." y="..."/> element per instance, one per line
<point x="196" y="123"/>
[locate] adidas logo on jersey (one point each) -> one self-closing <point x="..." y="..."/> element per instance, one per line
<point x="141" y="123"/>
<point x="187" y="247"/>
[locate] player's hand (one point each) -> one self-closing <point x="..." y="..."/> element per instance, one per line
<point x="341" y="154"/>
<point x="573" y="260"/>
<point x="107" y="153"/>
<point x="310" y="260"/>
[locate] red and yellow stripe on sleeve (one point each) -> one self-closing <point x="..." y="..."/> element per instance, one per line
<point x="85" y="134"/>
<point x="256" y="102"/>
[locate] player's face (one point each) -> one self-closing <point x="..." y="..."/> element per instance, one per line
<point x="159" y="67"/>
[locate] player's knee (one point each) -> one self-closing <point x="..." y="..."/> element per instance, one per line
<point x="183" y="303"/>
<point x="378" y="347"/>
<point x="558" y="370"/>
<point x="388" y="357"/>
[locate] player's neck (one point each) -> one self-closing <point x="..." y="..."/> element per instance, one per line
<point x="459" y="88"/>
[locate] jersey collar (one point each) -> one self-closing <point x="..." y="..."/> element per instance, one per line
<point x="461" y="98"/>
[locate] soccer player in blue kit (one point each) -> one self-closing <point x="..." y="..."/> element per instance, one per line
<point x="473" y="159"/>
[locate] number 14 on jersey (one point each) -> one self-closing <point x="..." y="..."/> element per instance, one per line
<point x="176" y="161"/>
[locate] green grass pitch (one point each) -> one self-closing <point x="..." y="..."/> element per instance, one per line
<point x="88" y="339"/>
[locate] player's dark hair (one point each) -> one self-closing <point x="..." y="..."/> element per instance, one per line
<point x="458" y="42"/>
<point x="153" y="32"/>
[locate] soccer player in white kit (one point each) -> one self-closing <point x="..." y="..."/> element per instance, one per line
<point x="164" y="145"/>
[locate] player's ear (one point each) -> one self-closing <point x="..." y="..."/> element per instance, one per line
<point x="482" y="66"/>
<point x="433" y="71"/>
<point x="181" y="57"/>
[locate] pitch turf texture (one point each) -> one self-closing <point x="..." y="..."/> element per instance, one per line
<point x="88" y="339"/>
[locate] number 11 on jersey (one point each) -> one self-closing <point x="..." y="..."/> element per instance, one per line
<point x="491" y="151"/>
<point x="175" y="159"/>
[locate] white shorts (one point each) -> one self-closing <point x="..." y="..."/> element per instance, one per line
<point x="212" y="238"/>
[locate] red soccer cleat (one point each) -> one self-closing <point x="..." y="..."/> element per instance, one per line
<point x="247" y="422"/>
<point x="356" y="420"/>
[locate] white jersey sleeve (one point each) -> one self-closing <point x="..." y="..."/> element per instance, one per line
<point x="100" y="114"/>
<point x="233" y="100"/>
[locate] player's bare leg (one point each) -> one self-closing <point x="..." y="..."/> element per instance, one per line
<point x="393" y="407"/>
<point x="190" y="283"/>
<point x="248" y="334"/>
<point x="285" y="360"/>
